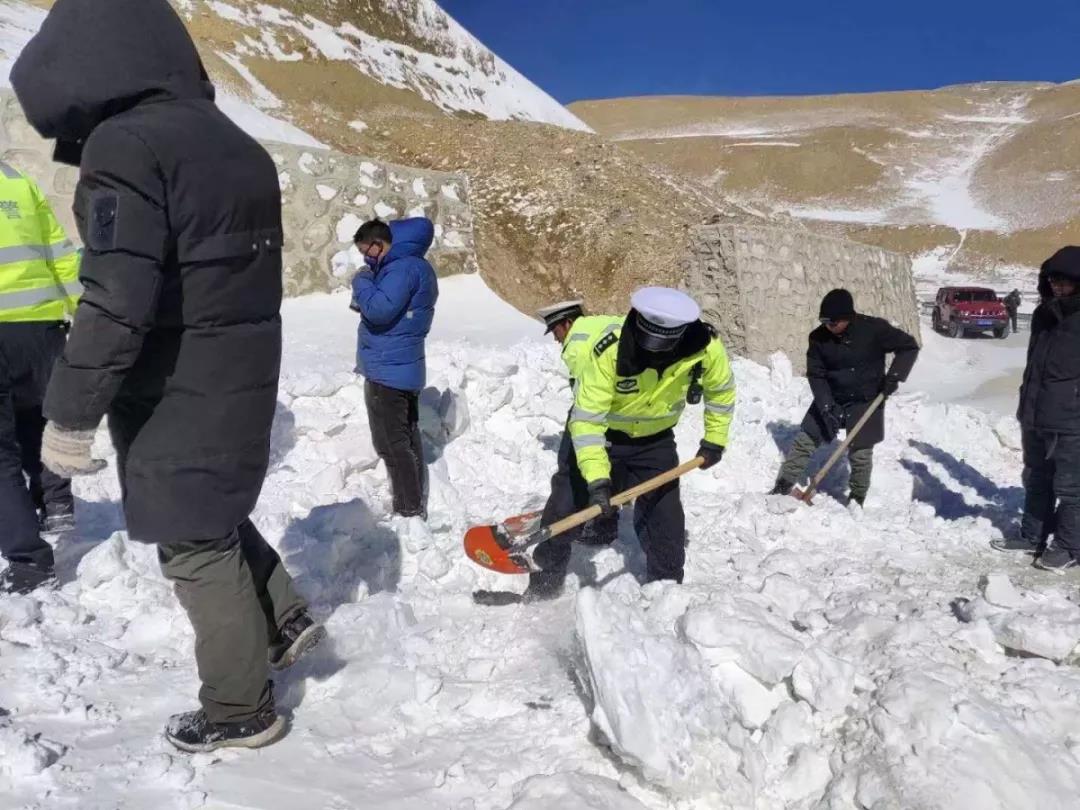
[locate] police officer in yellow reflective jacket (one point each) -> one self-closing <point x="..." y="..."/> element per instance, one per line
<point x="39" y="289"/>
<point x="577" y="334"/>
<point x="632" y="387"/>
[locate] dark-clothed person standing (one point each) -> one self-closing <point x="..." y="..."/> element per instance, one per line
<point x="1012" y="306"/>
<point x="845" y="364"/>
<point x="177" y="337"/>
<point x="39" y="289"/>
<point x="1049" y="415"/>
<point x="396" y="298"/>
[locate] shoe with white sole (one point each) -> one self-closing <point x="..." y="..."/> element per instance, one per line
<point x="195" y="733"/>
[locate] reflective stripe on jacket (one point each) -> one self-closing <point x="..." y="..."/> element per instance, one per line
<point x="646" y="403"/>
<point x="582" y="337"/>
<point x="39" y="265"/>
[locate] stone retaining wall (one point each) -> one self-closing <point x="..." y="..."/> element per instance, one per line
<point x="326" y="195"/>
<point x="761" y="285"/>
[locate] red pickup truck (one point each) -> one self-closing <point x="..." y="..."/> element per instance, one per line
<point x="960" y="310"/>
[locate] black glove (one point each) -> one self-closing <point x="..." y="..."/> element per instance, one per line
<point x="712" y="453"/>
<point x="889" y="386"/>
<point x="833" y="418"/>
<point x="600" y="495"/>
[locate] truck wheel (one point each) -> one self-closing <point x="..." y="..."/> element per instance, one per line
<point x="955" y="329"/>
<point x="1001" y="332"/>
<point x="936" y="320"/>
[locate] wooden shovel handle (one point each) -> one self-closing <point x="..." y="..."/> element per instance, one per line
<point x="815" y="482"/>
<point x="585" y="515"/>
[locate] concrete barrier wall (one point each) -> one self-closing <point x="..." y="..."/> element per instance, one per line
<point x="326" y="195"/>
<point x="762" y="285"/>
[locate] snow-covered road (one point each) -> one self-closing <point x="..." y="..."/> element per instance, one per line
<point x="814" y="658"/>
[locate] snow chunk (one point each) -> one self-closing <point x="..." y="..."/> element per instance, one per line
<point x="384" y="211"/>
<point x="1048" y="633"/>
<point x="326" y="193"/>
<point x="999" y="590"/>
<point x="824" y="681"/>
<point x="418" y="187"/>
<point x="573" y="791"/>
<point x="21" y="755"/>
<point x="654" y="699"/>
<point x="747" y="634"/>
<point x="17" y="612"/>
<point x="358" y="125"/>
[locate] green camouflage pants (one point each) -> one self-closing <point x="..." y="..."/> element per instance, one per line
<point x="862" y="465"/>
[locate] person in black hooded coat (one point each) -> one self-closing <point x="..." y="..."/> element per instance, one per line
<point x="1049" y="415"/>
<point x="178" y="335"/>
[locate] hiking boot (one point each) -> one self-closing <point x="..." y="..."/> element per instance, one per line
<point x="23" y="578"/>
<point x="298" y="636"/>
<point x="193" y="732"/>
<point x="543" y="587"/>
<point x="782" y="487"/>
<point x="1058" y="560"/>
<point x="858" y="500"/>
<point x="57" y="522"/>
<point x="1017" y="542"/>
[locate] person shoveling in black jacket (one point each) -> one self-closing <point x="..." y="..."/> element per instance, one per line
<point x="845" y="364"/>
<point x="178" y="335"/>
<point x="1049" y="415"/>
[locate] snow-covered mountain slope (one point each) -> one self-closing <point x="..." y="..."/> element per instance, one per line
<point x="816" y="657"/>
<point x="986" y="174"/>
<point x="407" y="45"/>
<point x="557" y="211"/>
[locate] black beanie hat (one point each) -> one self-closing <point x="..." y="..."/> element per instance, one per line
<point x="1065" y="263"/>
<point x="838" y="305"/>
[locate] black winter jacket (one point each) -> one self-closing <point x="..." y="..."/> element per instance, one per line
<point x="177" y="337"/>
<point x="846" y="373"/>
<point x="1050" y="394"/>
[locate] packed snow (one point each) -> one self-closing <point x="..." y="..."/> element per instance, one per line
<point x="816" y="656"/>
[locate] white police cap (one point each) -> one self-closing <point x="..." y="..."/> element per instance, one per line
<point x="557" y="313"/>
<point x="665" y="307"/>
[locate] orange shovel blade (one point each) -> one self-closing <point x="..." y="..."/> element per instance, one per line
<point x="483" y="547"/>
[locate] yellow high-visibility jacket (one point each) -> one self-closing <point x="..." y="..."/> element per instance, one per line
<point x="39" y="265"/>
<point x="645" y="403"/>
<point x="583" y="335"/>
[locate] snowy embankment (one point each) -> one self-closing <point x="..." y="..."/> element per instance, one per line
<point x="815" y="656"/>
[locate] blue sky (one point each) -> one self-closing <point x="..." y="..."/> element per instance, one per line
<point x="578" y="49"/>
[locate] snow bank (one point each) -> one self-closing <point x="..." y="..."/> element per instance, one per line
<point x="815" y="657"/>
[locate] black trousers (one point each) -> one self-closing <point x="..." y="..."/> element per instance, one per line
<point x="658" y="516"/>
<point x="28" y="352"/>
<point x="1013" y="318"/>
<point x="1052" y="489"/>
<point x="394" y="417"/>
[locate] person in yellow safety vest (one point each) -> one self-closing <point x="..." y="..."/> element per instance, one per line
<point x="630" y="393"/>
<point x="39" y="289"/>
<point x="577" y="333"/>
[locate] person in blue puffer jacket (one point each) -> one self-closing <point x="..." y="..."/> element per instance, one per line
<point x="396" y="298"/>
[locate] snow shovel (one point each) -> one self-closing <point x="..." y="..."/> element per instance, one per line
<point x="504" y="547"/>
<point x="807" y="495"/>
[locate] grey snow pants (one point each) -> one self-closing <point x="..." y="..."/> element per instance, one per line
<point x="237" y="594"/>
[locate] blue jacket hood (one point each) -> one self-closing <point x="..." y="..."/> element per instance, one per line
<point x="412" y="237"/>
